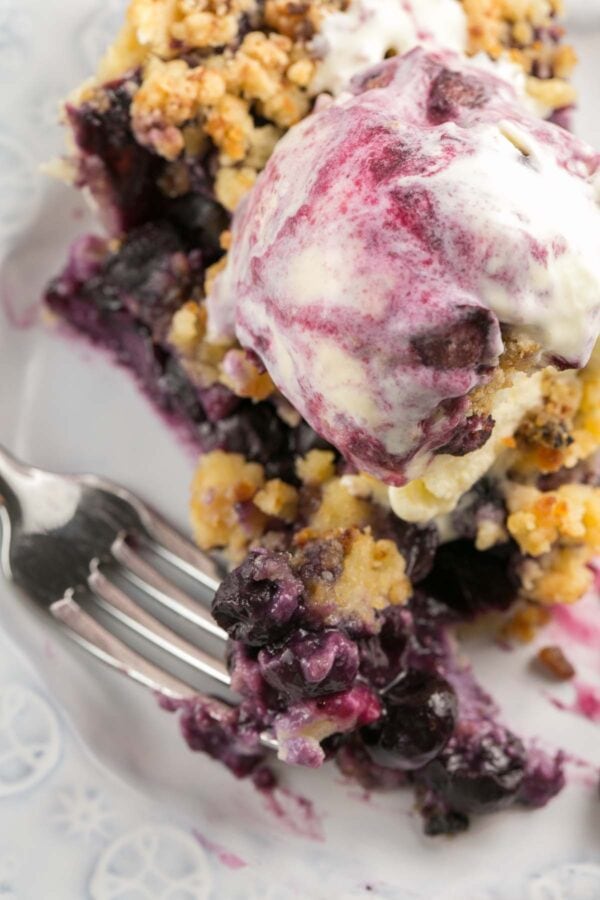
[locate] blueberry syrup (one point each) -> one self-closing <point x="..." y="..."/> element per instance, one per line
<point x="408" y="709"/>
<point x="19" y="319"/>
<point x="586" y="702"/>
<point x="575" y="627"/>
<point x="226" y="857"/>
<point x="295" y="813"/>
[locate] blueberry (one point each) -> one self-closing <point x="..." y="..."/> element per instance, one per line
<point x="203" y="220"/>
<point x="311" y="665"/>
<point x="304" y="439"/>
<point x="450" y="91"/>
<point x="469" y="581"/>
<point x="419" y="718"/>
<point x="544" y="778"/>
<point x="257" y="432"/>
<point x="474" y="432"/>
<point x="480" y="770"/>
<point x="218" y="402"/>
<point x="482" y="503"/>
<point x="151" y="275"/>
<point x="417" y="544"/>
<point x="258" y="602"/>
<point x="382" y="656"/>
<point x="178" y="392"/>
<point x="461" y="345"/>
<point x="224" y="738"/>
<point x="354" y="760"/>
<point x="127" y="181"/>
<point x="438" y="819"/>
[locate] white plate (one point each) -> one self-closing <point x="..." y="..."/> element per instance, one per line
<point x="143" y="817"/>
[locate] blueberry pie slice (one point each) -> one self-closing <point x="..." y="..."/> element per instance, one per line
<point x="353" y="250"/>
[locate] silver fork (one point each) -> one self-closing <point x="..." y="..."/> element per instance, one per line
<point x="63" y="537"/>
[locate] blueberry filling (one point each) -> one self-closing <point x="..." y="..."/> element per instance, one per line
<point x="419" y="718"/>
<point x="310" y="665"/>
<point x="131" y="184"/>
<point x="393" y="707"/>
<point x="124" y="300"/>
<point x="258" y="602"/>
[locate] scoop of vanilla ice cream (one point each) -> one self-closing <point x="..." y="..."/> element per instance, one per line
<point x="391" y="235"/>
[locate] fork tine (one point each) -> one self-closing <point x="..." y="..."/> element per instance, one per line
<point x="116" y="602"/>
<point x="82" y="628"/>
<point x="90" y="634"/>
<point x="143" y="575"/>
<point x="177" y="550"/>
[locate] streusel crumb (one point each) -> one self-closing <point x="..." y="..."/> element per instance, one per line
<point x="317" y="467"/>
<point x="364" y="576"/>
<point x="278" y="499"/>
<point x="525" y="622"/>
<point x="570" y="515"/>
<point x="337" y="508"/>
<point x="201" y="360"/>
<point x="222" y="511"/>
<point x="561" y="576"/>
<point x="497" y="27"/>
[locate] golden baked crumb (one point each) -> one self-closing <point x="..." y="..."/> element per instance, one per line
<point x="558" y="434"/>
<point x="371" y="576"/>
<point x="242" y="373"/>
<point x="489" y="534"/>
<point x="221" y="509"/>
<point x="525" y="622"/>
<point x="337" y="508"/>
<point x="570" y="515"/>
<point x="511" y="27"/>
<point x="278" y="499"/>
<point x="231" y="184"/>
<point x="367" y="488"/>
<point x="561" y="576"/>
<point x="317" y="467"/>
<point x="200" y="358"/>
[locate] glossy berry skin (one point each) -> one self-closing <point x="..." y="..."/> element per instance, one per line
<point x="420" y="714"/>
<point x="469" y="581"/>
<point x="480" y="770"/>
<point x="383" y="655"/>
<point x="311" y="665"/>
<point x="258" y="601"/>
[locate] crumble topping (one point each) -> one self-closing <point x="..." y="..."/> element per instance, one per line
<point x="212" y="68"/>
<point x="317" y="467"/>
<point x="561" y="576"/>
<point x="559" y="531"/>
<point x="223" y="514"/>
<point x="525" y="622"/>
<point x="357" y="576"/>
<point x="565" y="428"/>
<point x="278" y="499"/>
<point x="337" y="508"/>
<point x="537" y="520"/>
<point x="243" y="373"/>
<point x="201" y="360"/>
